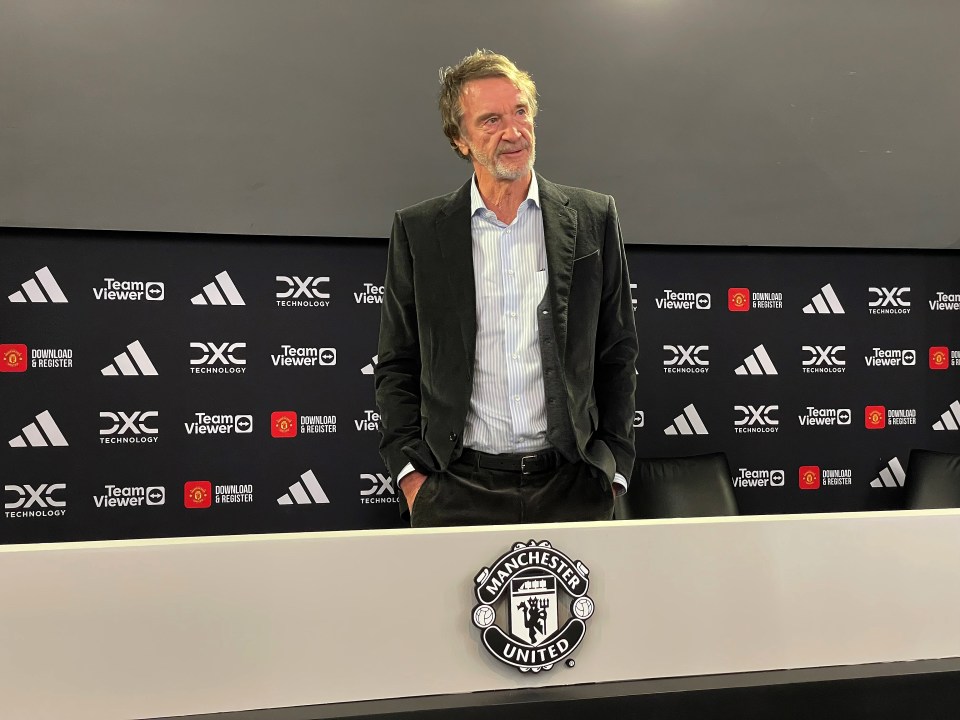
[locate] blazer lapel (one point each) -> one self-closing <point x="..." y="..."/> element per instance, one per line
<point x="560" y="237"/>
<point x="456" y="249"/>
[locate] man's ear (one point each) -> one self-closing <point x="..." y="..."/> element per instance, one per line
<point x="462" y="146"/>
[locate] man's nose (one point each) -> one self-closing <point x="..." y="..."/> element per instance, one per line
<point x="512" y="132"/>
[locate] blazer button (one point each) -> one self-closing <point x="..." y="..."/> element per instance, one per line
<point x="453" y="437"/>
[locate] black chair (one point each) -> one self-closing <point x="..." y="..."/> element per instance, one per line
<point x="696" y="486"/>
<point x="932" y="480"/>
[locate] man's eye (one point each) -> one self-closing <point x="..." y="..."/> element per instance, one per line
<point x="490" y="121"/>
<point x="522" y="111"/>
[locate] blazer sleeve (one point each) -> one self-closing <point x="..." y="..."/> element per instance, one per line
<point x="397" y="373"/>
<point x="615" y="370"/>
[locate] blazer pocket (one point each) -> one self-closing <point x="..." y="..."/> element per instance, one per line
<point x="590" y="254"/>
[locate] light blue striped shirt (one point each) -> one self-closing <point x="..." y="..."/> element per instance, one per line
<point x="508" y="411"/>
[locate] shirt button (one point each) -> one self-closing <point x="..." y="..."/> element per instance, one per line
<point x="516" y="355"/>
<point x="453" y="437"/>
<point x="517" y="398"/>
<point x="513" y="314"/>
<point x="510" y="272"/>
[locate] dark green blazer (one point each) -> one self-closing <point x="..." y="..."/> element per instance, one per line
<point x="428" y="327"/>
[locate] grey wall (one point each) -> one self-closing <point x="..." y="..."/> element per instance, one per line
<point x="824" y="122"/>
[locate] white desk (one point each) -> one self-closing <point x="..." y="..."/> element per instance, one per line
<point x="170" y="627"/>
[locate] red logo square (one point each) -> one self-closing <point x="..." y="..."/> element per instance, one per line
<point x="13" y="358"/>
<point x="197" y="494"/>
<point x="875" y="417"/>
<point x="738" y="299"/>
<point x="283" y="424"/>
<point x="809" y="477"/>
<point x="939" y="357"/>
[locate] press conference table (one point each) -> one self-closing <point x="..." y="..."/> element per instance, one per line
<point x="764" y="616"/>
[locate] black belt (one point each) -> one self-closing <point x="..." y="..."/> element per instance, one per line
<point x="523" y="463"/>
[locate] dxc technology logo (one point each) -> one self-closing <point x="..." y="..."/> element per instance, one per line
<point x="218" y="358"/>
<point x="686" y="359"/>
<point x="756" y="419"/>
<point x="889" y="301"/>
<point x="824" y="359"/>
<point x="302" y="292"/>
<point x="126" y="428"/>
<point x="379" y="489"/>
<point x="34" y="501"/>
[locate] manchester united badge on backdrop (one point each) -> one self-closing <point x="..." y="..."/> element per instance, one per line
<point x="541" y="597"/>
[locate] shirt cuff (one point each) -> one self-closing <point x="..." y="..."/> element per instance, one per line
<point x="409" y="468"/>
<point x="619" y="484"/>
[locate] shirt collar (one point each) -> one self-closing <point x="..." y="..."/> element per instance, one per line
<point x="476" y="200"/>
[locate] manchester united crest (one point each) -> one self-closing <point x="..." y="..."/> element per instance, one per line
<point x="540" y="597"/>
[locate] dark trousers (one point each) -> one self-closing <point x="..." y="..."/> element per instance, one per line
<point x="468" y="494"/>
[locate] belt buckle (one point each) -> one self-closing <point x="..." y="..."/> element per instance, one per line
<point x="523" y="464"/>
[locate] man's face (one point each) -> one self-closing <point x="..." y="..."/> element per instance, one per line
<point x="497" y="129"/>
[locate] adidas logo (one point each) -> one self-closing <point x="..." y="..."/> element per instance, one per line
<point x="758" y="363"/>
<point x="32" y="436"/>
<point x="687" y="423"/>
<point x="132" y="362"/>
<point x="33" y="292"/>
<point x="891" y="476"/>
<point x="824" y="302"/>
<point x="212" y="294"/>
<point x="298" y="495"/>
<point x="368" y="368"/>
<point x="950" y="420"/>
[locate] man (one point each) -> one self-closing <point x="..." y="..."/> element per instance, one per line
<point x="507" y="352"/>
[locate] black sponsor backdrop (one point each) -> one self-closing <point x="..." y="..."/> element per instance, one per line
<point x="97" y="330"/>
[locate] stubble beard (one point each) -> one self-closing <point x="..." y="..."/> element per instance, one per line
<point x="501" y="170"/>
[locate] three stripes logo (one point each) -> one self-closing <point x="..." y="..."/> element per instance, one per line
<point x="369" y="368"/>
<point x="32" y="437"/>
<point x="891" y="476"/>
<point x="33" y="292"/>
<point x="221" y="291"/>
<point x="306" y="491"/>
<point x="687" y="423"/>
<point x="132" y="362"/>
<point x="950" y="420"/>
<point x="757" y="363"/>
<point x="824" y="302"/>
